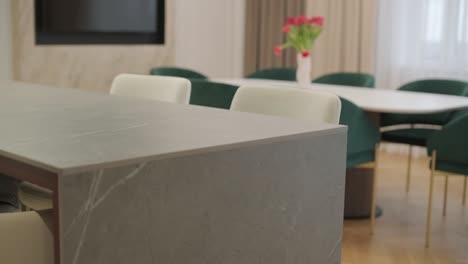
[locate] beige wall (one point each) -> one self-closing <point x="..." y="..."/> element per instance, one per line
<point x="209" y="36"/>
<point x="89" y="67"/>
<point x="5" y="40"/>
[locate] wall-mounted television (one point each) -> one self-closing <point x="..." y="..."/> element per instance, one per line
<point x="99" y="21"/>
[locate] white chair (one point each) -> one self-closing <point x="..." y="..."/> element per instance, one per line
<point x="25" y="237"/>
<point x="317" y="107"/>
<point x="161" y="88"/>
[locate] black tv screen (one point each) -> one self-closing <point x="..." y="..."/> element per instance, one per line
<point x="99" y="21"/>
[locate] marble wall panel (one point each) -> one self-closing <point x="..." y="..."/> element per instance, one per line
<point x="89" y="67"/>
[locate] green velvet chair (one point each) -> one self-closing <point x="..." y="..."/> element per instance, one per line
<point x="363" y="140"/>
<point x="281" y="74"/>
<point x="212" y="94"/>
<point x="449" y="157"/>
<point x="347" y="78"/>
<point x="177" y="72"/>
<point x="418" y="136"/>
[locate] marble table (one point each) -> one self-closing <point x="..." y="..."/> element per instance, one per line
<point x="359" y="181"/>
<point x="138" y="181"/>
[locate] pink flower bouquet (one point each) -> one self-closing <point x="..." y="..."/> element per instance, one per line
<point x="301" y="34"/>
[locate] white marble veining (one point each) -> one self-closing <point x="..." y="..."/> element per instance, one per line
<point x="376" y="100"/>
<point x="69" y="131"/>
<point x="92" y="202"/>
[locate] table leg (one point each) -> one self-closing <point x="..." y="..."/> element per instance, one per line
<point x="358" y="194"/>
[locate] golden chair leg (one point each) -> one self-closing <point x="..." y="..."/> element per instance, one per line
<point x="464" y="190"/>
<point x="408" y="168"/>
<point x="374" y="187"/>
<point x="429" y="204"/>
<point x="444" y="210"/>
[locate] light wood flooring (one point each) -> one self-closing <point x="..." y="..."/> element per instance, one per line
<point x="400" y="232"/>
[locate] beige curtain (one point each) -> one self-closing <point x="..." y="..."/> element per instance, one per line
<point x="264" y="19"/>
<point x="348" y="40"/>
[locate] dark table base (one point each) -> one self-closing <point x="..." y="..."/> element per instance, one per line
<point x="358" y="194"/>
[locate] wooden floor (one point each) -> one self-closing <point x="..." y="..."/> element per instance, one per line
<point x="399" y="233"/>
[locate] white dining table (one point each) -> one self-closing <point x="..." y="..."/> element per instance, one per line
<point x="375" y="100"/>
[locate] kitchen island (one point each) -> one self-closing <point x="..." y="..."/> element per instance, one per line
<point x="139" y="181"/>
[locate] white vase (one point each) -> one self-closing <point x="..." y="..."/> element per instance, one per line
<point x="303" y="71"/>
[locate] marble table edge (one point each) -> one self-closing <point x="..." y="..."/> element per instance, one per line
<point x="62" y="171"/>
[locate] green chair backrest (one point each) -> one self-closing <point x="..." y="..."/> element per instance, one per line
<point x="451" y="144"/>
<point x="448" y="87"/>
<point x="347" y="78"/>
<point x="177" y="72"/>
<point x="363" y="134"/>
<point x="281" y="74"/>
<point x="212" y="94"/>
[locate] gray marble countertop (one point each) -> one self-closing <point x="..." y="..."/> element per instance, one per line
<point x="67" y="131"/>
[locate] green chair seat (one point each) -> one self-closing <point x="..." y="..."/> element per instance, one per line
<point x="363" y="134"/>
<point x="281" y="74"/>
<point x="177" y="72"/>
<point x="212" y="94"/>
<point x="347" y="78"/>
<point x="451" y="144"/>
<point x="411" y="136"/>
<point x="452" y="167"/>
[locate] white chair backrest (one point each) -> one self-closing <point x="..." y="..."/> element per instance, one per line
<point x="161" y="88"/>
<point x="25" y="238"/>
<point x="317" y="107"/>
